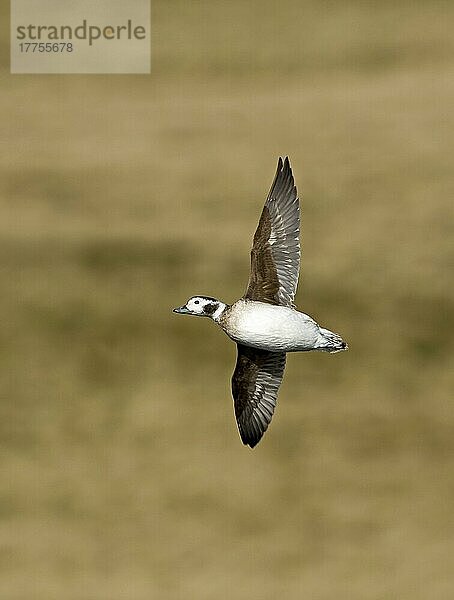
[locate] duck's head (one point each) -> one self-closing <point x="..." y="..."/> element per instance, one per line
<point x="202" y="306"/>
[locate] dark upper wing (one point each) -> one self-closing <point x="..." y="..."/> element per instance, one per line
<point x="275" y="254"/>
<point x="255" y="384"/>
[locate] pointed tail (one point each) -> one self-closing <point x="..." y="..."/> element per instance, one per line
<point x="329" y="341"/>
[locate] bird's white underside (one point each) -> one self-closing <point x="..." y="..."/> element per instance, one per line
<point x="271" y="327"/>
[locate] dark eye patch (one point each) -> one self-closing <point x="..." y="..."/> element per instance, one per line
<point x="210" y="308"/>
<point x="196" y="301"/>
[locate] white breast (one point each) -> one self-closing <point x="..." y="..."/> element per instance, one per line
<point x="269" y="327"/>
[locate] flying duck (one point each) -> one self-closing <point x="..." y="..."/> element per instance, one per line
<point x="264" y="323"/>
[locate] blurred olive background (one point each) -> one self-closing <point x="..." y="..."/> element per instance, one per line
<point x="123" y="476"/>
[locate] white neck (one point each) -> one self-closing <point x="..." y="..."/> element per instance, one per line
<point x="218" y="312"/>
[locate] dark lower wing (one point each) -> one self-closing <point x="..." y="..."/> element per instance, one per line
<point x="255" y="385"/>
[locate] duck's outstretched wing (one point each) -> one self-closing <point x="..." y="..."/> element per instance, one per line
<point x="255" y="385"/>
<point x="275" y="254"/>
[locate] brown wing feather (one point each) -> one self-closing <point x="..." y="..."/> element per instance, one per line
<point x="275" y="254"/>
<point x="255" y="385"/>
<point x="263" y="283"/>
